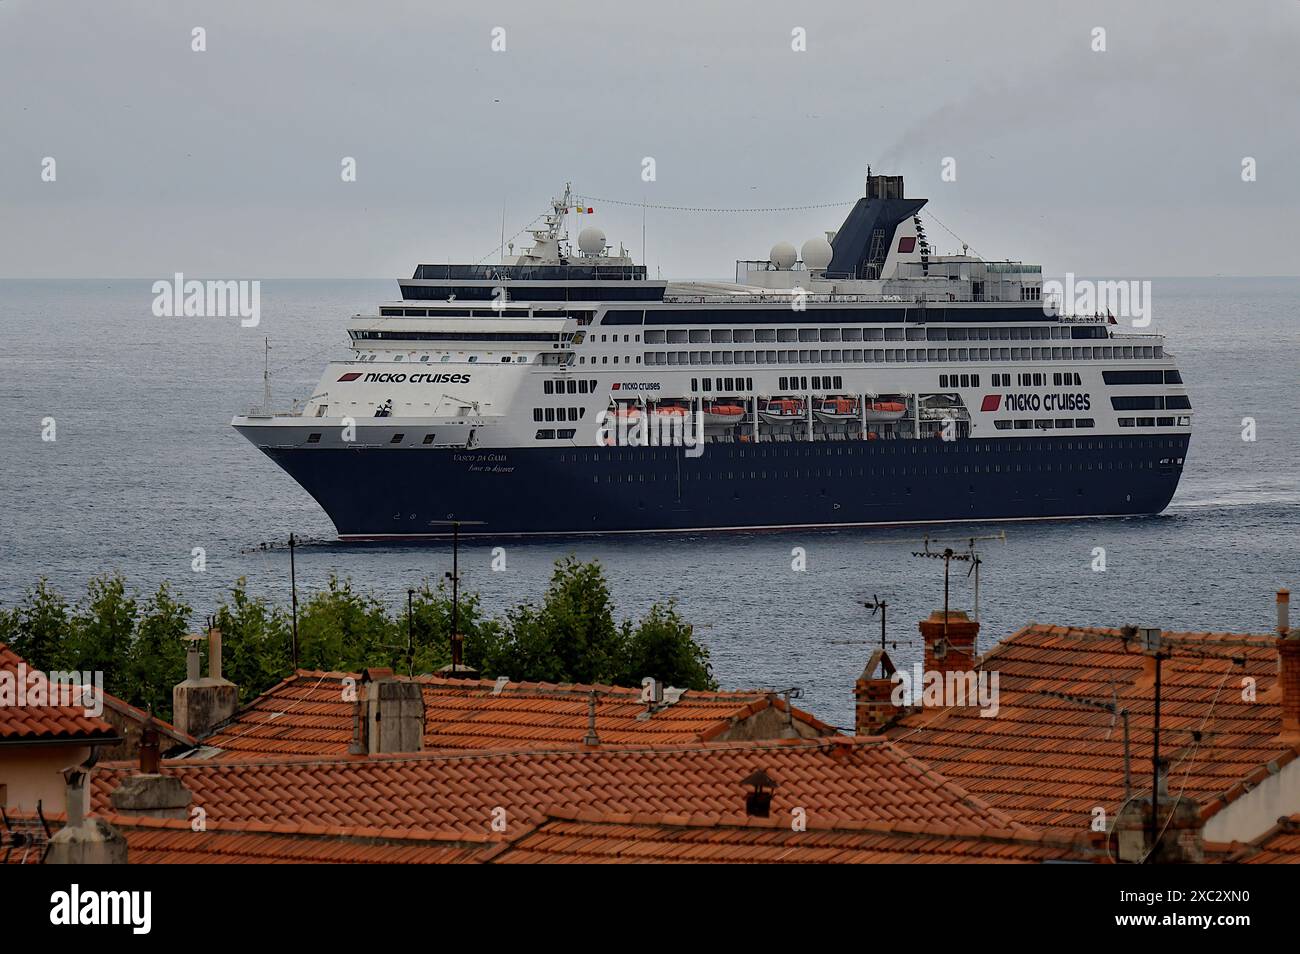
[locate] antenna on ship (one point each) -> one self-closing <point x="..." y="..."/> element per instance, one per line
<point x="266" y="376"/>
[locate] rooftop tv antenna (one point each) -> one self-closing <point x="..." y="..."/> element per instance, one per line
<point x="877" y="605"/>
<point x="30" y="836"/>
<point x="948" y="554"/>
<point x="457" y="639"/>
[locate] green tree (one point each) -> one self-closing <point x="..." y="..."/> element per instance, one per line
<point x="572" y="637"/>
<point x="663" y="647"/>
<point x="341" y="629"/>
<point x="101" y="633"/>
<point x="37" y="628"/>
<point x="157" y="660"/>
<point x="256" y="641"/>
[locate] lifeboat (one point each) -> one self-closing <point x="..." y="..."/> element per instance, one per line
<point x="715" y="413"/>
<point x="885" y="411"/>
<point x="782" y="411"/>
<point x="836" y="410"/>
<point x="670" y="411"/>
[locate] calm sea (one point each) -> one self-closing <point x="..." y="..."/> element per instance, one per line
<point x="145" y="468"/>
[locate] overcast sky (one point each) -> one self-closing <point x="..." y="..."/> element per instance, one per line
<point x="226" y="163"/>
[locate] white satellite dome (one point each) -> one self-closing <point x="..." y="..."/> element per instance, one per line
<point x="591" y="241"/>
<point x="816" y="254"/>
<point x="783" y="255"/>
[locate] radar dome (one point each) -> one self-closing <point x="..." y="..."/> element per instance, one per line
<point x="591" y="241"/>
<point x="816" y="254"/>
<point x="783" y="255"/>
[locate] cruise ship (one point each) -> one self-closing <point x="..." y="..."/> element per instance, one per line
<point x="863" y="380"/>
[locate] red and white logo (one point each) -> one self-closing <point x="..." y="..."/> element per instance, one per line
<point x="351" y="376"/>
<point x="991" y="402"/>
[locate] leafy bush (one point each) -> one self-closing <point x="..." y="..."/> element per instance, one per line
<point x="137" y="643"/>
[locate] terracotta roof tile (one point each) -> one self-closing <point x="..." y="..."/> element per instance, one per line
<point x="584" y="837"/>
<point x="1280" y="845"/>
<point x="453" y="791"/>
<point x="1047" y="762"/>
<point x="55" y="723"/>
<point x="307" y="714"/>
<point x="172" y="841"/>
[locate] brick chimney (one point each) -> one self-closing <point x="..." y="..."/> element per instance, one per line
<point x="950" y="647"/>
<point x="1288" y="663"/>
<point x="394" y="713"/>
<point x="149" y="792"/>
<point x="873" y="695"/>
<point x="200" y="704"/>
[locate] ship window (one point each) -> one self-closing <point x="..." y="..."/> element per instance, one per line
<point x="965" y="380"/>
<point x="593" y="387"/>
<point x="313" y="438"/>
<point x="428" y="438"/>
<point x="943" y="380"/>
<point x="566" y="434"/>
<point x="1164" y="422"/>
<point x="1064" y="422"/>
<point x="1173" y="377"/>
<point x="1084" y="422"/>
<point x="974" y="380"/>
<point x="708" y="384"/>
<point x="695" y="384"/>
<point x="548" y="387"/>
<point x="1146" y="422"/>
<point x="1002" y="425"/>
<point x="1126" y="422"/>
<point x="550" y="413"/>
<point x="604" y="359"/>
<point x="537" y="414"/>
<point x="424" y="358"/>
<point x="1024" y="425"/>
<point x="545" y="435"/>
<point x="396" y="438"/>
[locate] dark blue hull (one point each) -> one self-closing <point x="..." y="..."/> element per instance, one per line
<point x="409" y="492"/>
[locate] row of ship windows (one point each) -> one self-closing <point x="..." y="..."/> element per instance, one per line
<point x="887" y="355"/>
<point x="569" y="386"/>
<point x="1044" y="423"/>
<point x="1152" y="402"/>
<point x="652" y="477"/>
<point x="604" y="359"/>
<point x="563" y="434"/>
<point x="913" y="333"/>
<point x="314" y="438"/>
<point x="1154" y="422"/>
<point x="892" y="448"/>
<point x="559" y="413"/>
